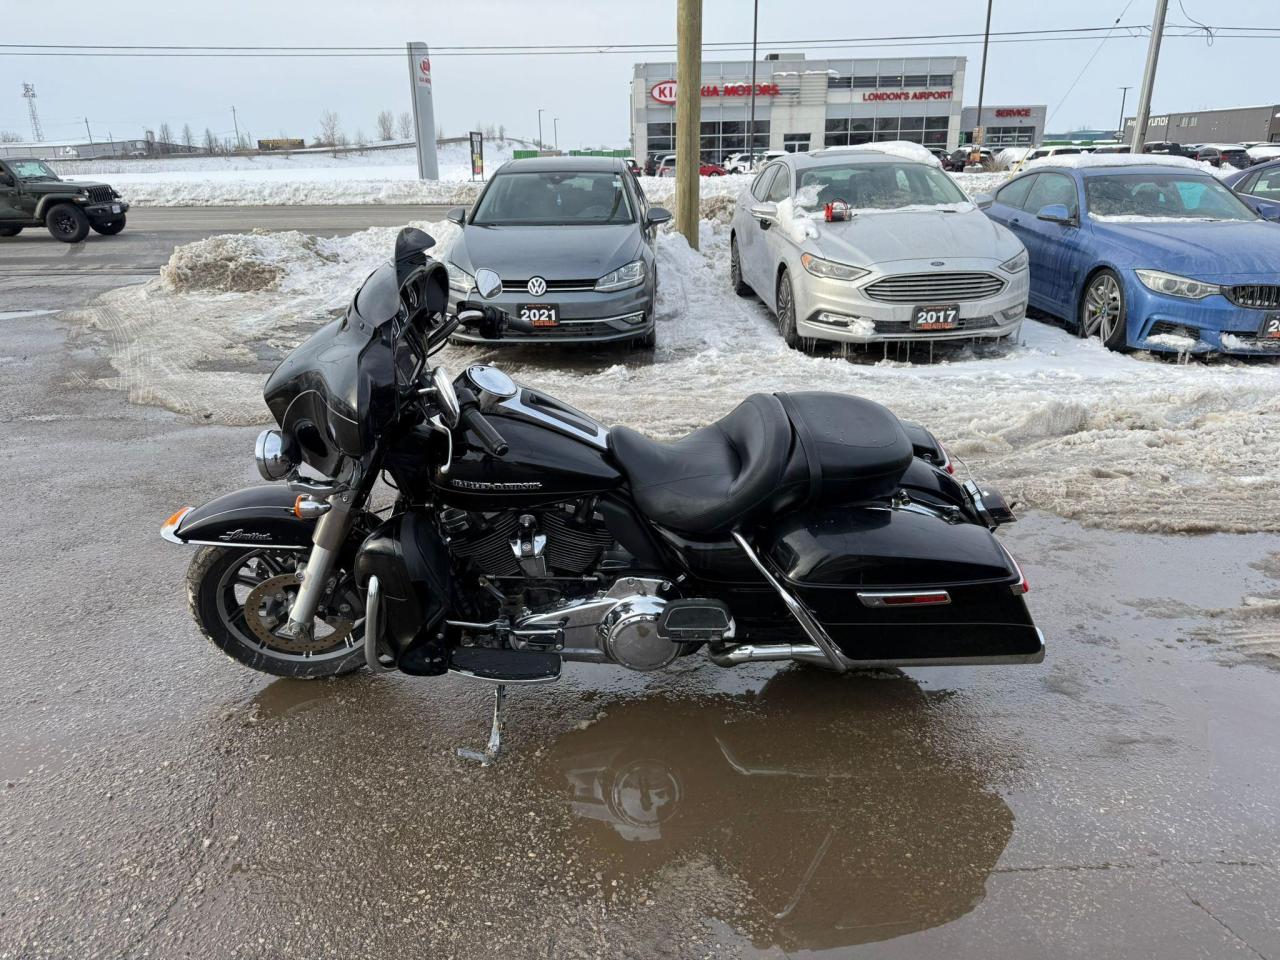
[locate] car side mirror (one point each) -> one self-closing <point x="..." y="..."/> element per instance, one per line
<point x="488" y="283"/>
<point x="656" y="216"/>
<point x="983" y="200"/>
<point x="1055" y="213"/>
<point x="457" y="215"/>
<point x="6" y="180"/>
<point x="768" y="210"/>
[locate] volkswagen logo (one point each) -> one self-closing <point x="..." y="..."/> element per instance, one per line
<point x="537" y="287"/>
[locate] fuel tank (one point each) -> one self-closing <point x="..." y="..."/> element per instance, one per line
<point x="556" y="453"/>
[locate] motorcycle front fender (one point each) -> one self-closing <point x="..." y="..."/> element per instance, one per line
<point x="260" y="517"/>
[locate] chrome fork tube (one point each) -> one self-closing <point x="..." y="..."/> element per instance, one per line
<point x="331" y="531"/>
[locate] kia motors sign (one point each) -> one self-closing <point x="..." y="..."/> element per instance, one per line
<point x="665" y="92"/>
<point x="424" y="118"/>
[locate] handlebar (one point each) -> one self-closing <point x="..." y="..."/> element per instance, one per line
<point x="490" y="321"/>
<point x="472" y="419"/>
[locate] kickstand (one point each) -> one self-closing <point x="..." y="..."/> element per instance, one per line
<point x="494" y="747"/>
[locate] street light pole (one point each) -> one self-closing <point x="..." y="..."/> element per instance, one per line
<point x="1148" y="78"/>
<point x="235" y="123"/>
<point x="541" y="110"/>
<point x="555" y="128"/>
<point x="751" y="130"/>
<point x="1124" y="95"/>
<point x="976" y="153"/>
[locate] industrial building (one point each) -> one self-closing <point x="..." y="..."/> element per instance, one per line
<point x="1229" y="125"/>
<point x="91" y="150"/>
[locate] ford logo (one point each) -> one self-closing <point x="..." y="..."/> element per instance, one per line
<point x="937" y="263"/>
<point x="537" y="287"/>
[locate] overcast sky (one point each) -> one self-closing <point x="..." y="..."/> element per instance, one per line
<point x="588" y="93"/>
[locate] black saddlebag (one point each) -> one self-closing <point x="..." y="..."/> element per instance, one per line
<point x="896" y="585"/>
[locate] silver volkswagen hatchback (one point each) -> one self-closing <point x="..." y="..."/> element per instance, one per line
<point x="872" y="244"/>
<point x="572" y="239"/>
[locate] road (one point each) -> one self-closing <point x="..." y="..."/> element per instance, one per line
<point x="158" y="800"/>
<point x="38" y="272"/>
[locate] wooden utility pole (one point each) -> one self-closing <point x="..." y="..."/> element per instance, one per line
<point x="688" y="116"/>
<point x="1148" y="79"/>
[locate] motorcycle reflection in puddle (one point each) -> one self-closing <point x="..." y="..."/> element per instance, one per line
<point x="851" y="809"/>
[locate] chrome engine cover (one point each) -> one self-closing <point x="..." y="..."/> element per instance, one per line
<point x="616" y="626"/>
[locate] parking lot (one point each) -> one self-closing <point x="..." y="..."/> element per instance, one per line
<point x="157" y="799"/>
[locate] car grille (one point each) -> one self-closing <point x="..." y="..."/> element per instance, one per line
<point x="101" y="194"/>
<point x="1166" y="328"/>
<point x="934" y="287"/>
<point x="1256" y="295"/>
<point x="522" y="286"/>
<point x="964" y="323"/>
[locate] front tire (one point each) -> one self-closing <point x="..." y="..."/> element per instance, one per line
<point x="1103" y="311"/>
<point x="239" y="619"/>
<point x="110" y="228"/>
<point x="740" y="286"/>
<point x="787" y="312"/>
<point x="67" y="223"/>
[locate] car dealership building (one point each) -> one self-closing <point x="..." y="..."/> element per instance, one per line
<point x="804" y="104"/>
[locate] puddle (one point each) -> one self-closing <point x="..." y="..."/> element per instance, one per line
<point x="285" y="698"/>
<point x="846" y="810"/>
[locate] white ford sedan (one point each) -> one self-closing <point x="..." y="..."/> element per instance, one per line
<point x="872" y="244"/>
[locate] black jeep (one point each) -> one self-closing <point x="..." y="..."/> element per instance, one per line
<point x="31" y="194"/>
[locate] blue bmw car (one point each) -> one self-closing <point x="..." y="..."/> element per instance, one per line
<point x="1150" y="256"/>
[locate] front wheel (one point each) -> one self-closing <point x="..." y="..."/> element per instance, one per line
<point x="787" y="312"/>
<point x="240" y="598"/>
<point x="1102" y="311"/>
<point x="67" y="223"/>
<point x="740" y="286"/>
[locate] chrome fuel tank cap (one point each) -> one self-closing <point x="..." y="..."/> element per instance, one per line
<point x="491" y="383"/>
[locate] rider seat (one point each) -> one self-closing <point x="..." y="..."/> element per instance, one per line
<point x="769" y="454"/>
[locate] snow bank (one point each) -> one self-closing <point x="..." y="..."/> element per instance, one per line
<point x="1266" y="151"/>
<point x="1058" y="423"/>
<point x="1081" y="160"/>
<point x="894" y="148"/>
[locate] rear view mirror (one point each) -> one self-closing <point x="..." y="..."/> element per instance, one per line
<point x="657" y="215"/>
<point x="457" y="215"/>
<point x="488" y="284"/>
<point x="1055" y="213"/>
<point x="764" y="211"/>
<point x="6" y="180"/>
<point x="983" y="200"/>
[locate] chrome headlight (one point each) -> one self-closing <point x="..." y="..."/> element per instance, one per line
<point x="276" y="454"/>
<point x="459" y="280"/>
<point x="1015" y="264"/>
<point x="830" y="269"/>
<point x="631" y="275"/>
<point x="1175" y="286"/>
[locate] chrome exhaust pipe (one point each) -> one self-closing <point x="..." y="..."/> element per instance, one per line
<point x="752" y="652"/>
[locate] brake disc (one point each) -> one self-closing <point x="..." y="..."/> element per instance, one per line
<point x="266" y="612"/>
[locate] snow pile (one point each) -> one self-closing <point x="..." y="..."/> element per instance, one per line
<point x="1264" y="151"/>
<point x="237" y="263"/>
<point x="1058" y="423"/>
<point x="1077" y="161"/>
<point x="894" y="148"/>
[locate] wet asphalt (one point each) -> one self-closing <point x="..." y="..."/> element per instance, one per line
<point x="158" y="800"/>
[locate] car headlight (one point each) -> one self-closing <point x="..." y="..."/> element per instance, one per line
<point x="459" y="280"/>
<point x="276" y="454"/>
<point x="830" y="269"/>
<point x="630" y="275"/>
<point x="1015" y="264"/>
<point x="1176" y="286"/>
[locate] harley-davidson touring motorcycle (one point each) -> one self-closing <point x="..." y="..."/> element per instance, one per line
<point x="810" y="527"/>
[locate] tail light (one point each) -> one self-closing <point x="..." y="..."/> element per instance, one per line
<point x="946" y="464"/>
<point x="1022" y="586"/>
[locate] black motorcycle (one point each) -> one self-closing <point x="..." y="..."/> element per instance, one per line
<point x="810" y="527"/>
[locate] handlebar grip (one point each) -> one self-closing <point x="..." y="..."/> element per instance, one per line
<point x="490" y="439"/>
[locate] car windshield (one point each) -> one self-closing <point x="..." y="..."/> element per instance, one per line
<point x="31" y="170"/>
<point x="877" y="186"/>
<point x="1163" y="196"/>
<point x="554" y="199"/>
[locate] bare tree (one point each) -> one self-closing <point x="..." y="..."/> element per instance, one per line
<point x="165" y="138"/>
<point x="406" y="126"/>
<point x="386" y="125"/>
<point x="502" y="131"/>
<point x="210" y="142"/>
<point x="360" y="142"/>
<point x="330" y="130"/>
<point x="188" y="140"/>
<point x="8" y="136"/>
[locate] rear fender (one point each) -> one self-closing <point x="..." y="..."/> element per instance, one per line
<point x="258" y="517"/>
